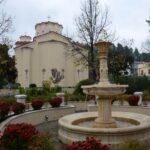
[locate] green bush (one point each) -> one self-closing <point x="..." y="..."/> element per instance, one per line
<point x="78" y="90"/>
<point x="146" y="95"/>
<point x="56" y="89"/>
<point x="77" y="97"/>
<point x="37" y="92"/>
<point x="32" y="85"/>
<point x="21" y="90"/>
<point x="8" y="99"/>
<point x="135" y="83"/>
<point x="15" y="86"/>
<point x="131" y="145"/>
<point x="32" y="92"/>
<point x="47" y="85"/>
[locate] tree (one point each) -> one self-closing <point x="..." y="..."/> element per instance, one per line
<point x="5" y="24"/>
<point x="136" y="55"/>
<point x="146" y="44"/>
<point x="8" y="71"/>
<point x="145" y="57"/>
<point x="120" y="60"/>
<point x="92" y="25"/>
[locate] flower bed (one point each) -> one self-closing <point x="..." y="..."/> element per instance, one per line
<point x="18" y="108"/>
<point x="89" y="144"/>
<point x="24" y="136"/>
<point x="17" y="136"/>
<point x="4" y="110"/>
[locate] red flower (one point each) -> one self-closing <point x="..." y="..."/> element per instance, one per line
<point x="4" y="110"/>
<point x="55" y="102"/>
<point x="133" y="100"/>
<point x="18" y="108"/>
<point x="89" y="144"/>
<point x="37" y="104"/>
<point x="16" y="134"/>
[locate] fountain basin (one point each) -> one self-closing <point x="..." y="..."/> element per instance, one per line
<point x="104" y="88"/>
<point x="70" y="128"/>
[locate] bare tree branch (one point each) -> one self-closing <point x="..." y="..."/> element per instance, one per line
<point x="5" y="23"/>
<point x="92" y="25"/>
<point x="146" y="44"/>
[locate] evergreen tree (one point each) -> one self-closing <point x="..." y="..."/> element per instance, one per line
<point x="120" y="60"/>
<point x="136" y="55"/>
<point x="8" y="71"/>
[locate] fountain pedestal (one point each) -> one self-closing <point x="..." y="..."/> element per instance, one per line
<point x="104" y="119"/>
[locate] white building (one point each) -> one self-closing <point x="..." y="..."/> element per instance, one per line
<point x="143" y="68"/>
<point x="36" y="58"/>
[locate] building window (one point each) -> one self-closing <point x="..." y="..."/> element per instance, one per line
<point x="26" y="73"/>
<point x="142" y="73"/>
<point x="43" y="73"/>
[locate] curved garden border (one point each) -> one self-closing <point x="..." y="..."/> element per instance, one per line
<point x="39" y="116"/>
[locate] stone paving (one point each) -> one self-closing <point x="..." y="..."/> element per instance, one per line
<point x="51" y="127"/>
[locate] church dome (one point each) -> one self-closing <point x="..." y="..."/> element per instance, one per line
<point x="45" y="27"/>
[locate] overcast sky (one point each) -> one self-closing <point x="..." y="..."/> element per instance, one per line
<point x="127" y="16"/>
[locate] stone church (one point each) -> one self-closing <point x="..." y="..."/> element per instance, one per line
<point x="44" y="57"/>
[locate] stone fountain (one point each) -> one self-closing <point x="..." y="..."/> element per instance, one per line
<point x="110" y="127"/>
<point x="104" y="89"/>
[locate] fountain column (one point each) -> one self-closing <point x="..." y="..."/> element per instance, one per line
<point x="104" y="119"/>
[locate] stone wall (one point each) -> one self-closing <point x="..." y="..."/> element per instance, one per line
<point x="38" y="117"/>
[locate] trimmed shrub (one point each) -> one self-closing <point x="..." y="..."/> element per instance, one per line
<point x="78" y="90"/>
<point x="55" y="102"/>
<point x="18" y="108"/>
<point x="32" y="85"/>
<point x="21" y="90"/>
<point x="47" y="85"/>
<point x="4" y="110"/>
<point x="17" y="136"/>
<point x="133" y="100"/>
<point x="56" y="89"/>
<point x="32" y="92"/>
<point x="89" y="144"/>
<point x="37" y="104"/>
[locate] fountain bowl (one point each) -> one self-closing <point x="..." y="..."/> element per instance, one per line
<point x="75" y="127"/>
<point x="103" y="88"/>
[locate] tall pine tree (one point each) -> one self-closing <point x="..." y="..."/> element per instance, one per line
<point x="8" y="71"/>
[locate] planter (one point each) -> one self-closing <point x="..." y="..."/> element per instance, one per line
<point x="133" y="100"/>
<point x="55" y="102"/>
<point x="37" y="104"/>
